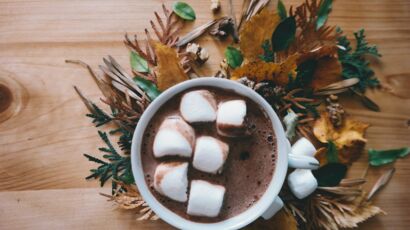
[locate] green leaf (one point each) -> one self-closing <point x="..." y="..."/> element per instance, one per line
<point x="284" y="34"/>
<point x="138" y="63"/>
<point x="330" y="174"/>
<point x="184" y="11"/>
<point x="305" y="71"/>
<point x="149" y="87"/>
<point x="233" y="57"/>
<point x="281" y="10"/>
<point x="382" y="157"/>
<point x="323" y="13"/>
<point x="268" y="55"/>
<point x="332" y="152"/>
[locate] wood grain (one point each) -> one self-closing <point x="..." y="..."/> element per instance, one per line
<point x="42" y="169"/>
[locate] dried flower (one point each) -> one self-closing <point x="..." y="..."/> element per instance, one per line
<point x="245" y="81"/>
<point x="222" y="28"/>
<point x="215" y="5"/>
<point x="335" y="110"/>
<point x="197" y="53"/>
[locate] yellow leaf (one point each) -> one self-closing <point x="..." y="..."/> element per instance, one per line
<point x="255" y="31"/>
<point x="259" y="70"/>
<point x="169" y="71"/>
<point x="349" y="138"/>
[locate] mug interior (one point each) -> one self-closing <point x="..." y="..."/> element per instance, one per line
<point x="241" y="219"/>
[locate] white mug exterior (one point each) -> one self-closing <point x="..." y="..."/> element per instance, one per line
<point x="242" y="219"/>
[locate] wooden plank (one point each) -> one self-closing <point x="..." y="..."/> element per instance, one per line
<point x="41" y="146"/>
<point x="66" y="209"/>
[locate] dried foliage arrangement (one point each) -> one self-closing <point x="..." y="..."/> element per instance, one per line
<point x="294" y="60"/>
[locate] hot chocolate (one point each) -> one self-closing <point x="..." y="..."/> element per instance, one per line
<point x="247" y="170"/>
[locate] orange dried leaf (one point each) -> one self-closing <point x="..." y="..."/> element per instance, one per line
<point x="328" y="71"/>
<point x="169" y="71"/>
<point x="321" y="156"/>
<point x="288" y="67"/>
<point x="349" y="138"/>
<point x="259" y="70"/>
<point x="255" y="31"/>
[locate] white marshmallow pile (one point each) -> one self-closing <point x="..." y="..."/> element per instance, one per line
<point x="198" y="106"/>
<point x="205" y="199"/>
<point x="301" y="181"/>
<point x="171" y="180"/>
<point x="210" y="154"/>
<point x="230" y="119"/>
<point x="174" y="138"/>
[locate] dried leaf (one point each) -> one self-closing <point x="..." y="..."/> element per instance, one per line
<point x="184" y="11"/>
<point x="169" y="71"/>
<point x="349" y="137"/>
<point x="344" y="84"/>
<point x="382" y="181"/>
<point x="255" y="31"/>
<point x="366" y="101"/>
<point x="328" y="71"/>
<point x="284" y="34"/>
<point x="195" y="33"/>
<point x="382" y="157"/>
<point x="259" y="70"/>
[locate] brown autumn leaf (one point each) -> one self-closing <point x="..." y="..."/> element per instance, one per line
<point x="259" y="70"/>
<point x="321" y="156"/>
<point x="328" y="71"/>
<point x="169" y="71"/>
<point x="348" y="138"/>
<point x="255" y="31"/>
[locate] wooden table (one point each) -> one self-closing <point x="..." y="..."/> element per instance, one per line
<point x="42" y="169"/>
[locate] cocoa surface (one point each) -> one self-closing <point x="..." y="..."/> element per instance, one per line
<point x="247" y="171"/>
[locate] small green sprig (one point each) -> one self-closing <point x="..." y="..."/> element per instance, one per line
<point x="268" y="55"/>
<point x="354" y="62"/>
<point x="116" y="166"/>
<point x="99" y="116"/>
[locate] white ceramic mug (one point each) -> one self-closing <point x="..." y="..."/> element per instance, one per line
<point x="266" y="206"/>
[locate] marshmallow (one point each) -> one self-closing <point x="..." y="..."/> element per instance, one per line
<point x="198" y="106"/>
<point x="303" y="147"/>
<point x="210" y="154"/>
<point x="171" y="180"/>
<point x="302" y="183"/>
<point x="174" y="138"/>
<point x="205" y="199"/>
<point x="230" y="119"/>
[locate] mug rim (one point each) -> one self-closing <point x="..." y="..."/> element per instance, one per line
<point x="243" y="218"/>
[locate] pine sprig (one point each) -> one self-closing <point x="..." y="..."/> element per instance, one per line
<point x="99" y="116"/>
<point x="354" y="62"/>
<point x="118" y="167"/>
